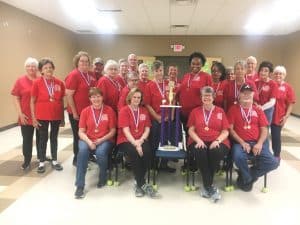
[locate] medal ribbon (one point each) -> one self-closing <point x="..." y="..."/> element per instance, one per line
<point x="50" y="87"/>
<point x="86" y="78"/>
<point x="161" y="91"/>
<point x="246" y="117"/>
<point x="207" y="116"/>
<point x="136" y="117"/>
<point x="97" y="121"/>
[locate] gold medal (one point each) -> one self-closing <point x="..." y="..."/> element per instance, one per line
<point x="136" y="130"/>
<point x="51" y="99"/>
<point x="245" y="127"/>
<point x="235" y="102"/>
<point x="164" y="101"/>
<point x="249" y="127"/>
<point x="96" y="130"/>
<point x="206" y="128"/>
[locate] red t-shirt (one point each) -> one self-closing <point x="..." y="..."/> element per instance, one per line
<point x="75" y="81"/>
<point x="47" y="108"/>
<point x="189" y="91"/>
<point x="285" y="96"/>
<point x="22" y="89"/>
<point x="154" y="94"/>
<point x="258" y="120"/>
<point x="126" y="119"/>
<point x="121" y="81"/>
<point x="219" y="90"/>
<point x="111" y="91"/>
<point x="142" y="85"/>
<point x="232" y="92"/>
<point x="266" y="90"/>
<point x="217" y="122"/>
<point x="123" y="96"/>
<point x="108" y="121"/>
<point x="252" y="77"/>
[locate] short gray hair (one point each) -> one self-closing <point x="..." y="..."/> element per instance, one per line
<point x="31" y="61"/>
<point x="280" y="69"/>
<point x="240" y="62"/>
<point x="110" y="63"/>
<point x="207" y="90"/>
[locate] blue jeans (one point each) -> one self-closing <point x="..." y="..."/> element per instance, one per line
<point x="264" y="162"/>
<point x="102" y="151"/>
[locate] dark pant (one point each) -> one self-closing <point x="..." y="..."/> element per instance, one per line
<point x="208" y="160"/>
<point x="74" y="125"/>
<point x="139" y="164"/>
<point x="276" y="139"/>
<point x="27" y="134"/>
<point x="43" y="133"/>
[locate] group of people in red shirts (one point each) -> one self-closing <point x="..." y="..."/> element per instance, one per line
<point x="117" y="106"/>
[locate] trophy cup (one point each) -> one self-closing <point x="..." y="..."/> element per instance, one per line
<point x="169" y="141"/>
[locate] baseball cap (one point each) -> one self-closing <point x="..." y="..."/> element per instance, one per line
<point x="98" y="60"/>
<point x="246" y="87"/>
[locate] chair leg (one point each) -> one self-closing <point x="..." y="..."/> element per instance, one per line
<point x="187" y="187"/>
<point x="265" y="189"/>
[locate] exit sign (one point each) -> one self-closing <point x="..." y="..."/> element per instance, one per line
<point x="177" y="47"/>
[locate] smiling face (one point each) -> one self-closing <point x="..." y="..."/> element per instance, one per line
<point x="159" y="73"/>
<point x="207" y="99"/>
<point x="136" y="99"/>
<point x="96" y="100"/>
<point x="144" y="73"/>
<point x="31" y="70"/>
<point x="47" y="70"/>
<point x="264" y="73"/>
<point x="246" y="97"/>
<point x="216" y="73"/>
<point x="278" y="76"/>
<point x="172" y="72"/>
<point x="196" y="65"/>
<point x="84" y="63"/>
<point x="251" y="65"/>
<point x="239" y="71"/>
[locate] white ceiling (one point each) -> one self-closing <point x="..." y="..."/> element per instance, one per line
<point x="155" y="17"/>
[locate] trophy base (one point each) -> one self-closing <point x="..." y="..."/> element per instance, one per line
<point x="168" y="148"/>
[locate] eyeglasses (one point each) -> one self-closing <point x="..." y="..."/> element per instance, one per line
<point x="134" y="80"/>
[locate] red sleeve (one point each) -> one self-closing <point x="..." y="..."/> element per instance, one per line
<point x="122" y="99"/>
<point x="263" y="122"/>
<point x="225" y="123"/>
<point x="34" y="89"/>
<point x="72" y="81"/>
<point x="230" y="115"/>
<point x="291" y="98"/>
<point x="274" y="90"/>
<point x="123" y="120"/>
<point x="192" y="117"/>
<point x="112" y="119"/>
<point x="16" y="91"/>
<point x="102" y="86"/>
<point x="83" y="118"/>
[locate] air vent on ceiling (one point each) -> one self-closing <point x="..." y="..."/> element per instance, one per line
<point x="184" y="2"/>
<point x="179" y="26"/>
<point x="84" y="31"/>
<point x="110" y="10"/>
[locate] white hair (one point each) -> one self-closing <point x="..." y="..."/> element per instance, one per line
<point x="31" y="61"/>
<point x="251" y="58"/>
<point x="143" y="65"/>
<point x="280" y="69"/>
<point x="240" y="62"/>
<point x="110" y="63"/>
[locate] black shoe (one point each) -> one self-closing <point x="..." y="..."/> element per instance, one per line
<point x="167" y="169"/>
<point x="247" y="187"/>
<point x="25" y="165"/>
<point x="92" y="158"/>
<point x="41" y="169"/>
<point x="74" y="162"/>
<point x="79" y="193"/>
<point x="100" y="184"/>
<point x="57" y="167"/>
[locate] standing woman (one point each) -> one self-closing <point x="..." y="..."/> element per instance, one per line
<point x="134" y="128"/>
<point x="191" y="85"/>
<point x="47" y="108"/>
<point x="21" y="95"/>
<point x="232" y="91"/>
<point x="78" y="83"/>
<point x="97" y="129"/>
<point x="109" y="84"/>
<point x="208" y="132"/>
<point x="144" y="77"/>
<point x="219" y="82"/>
<point x="230" y="73"/>
<point x="283" y="107"/>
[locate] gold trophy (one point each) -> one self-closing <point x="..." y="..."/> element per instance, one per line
<point x="171" y="93"/>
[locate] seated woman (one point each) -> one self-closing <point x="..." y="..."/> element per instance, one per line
<point x="208" y="132"/>
<point x="97" y="128"/>
<point x="134" y="128"/>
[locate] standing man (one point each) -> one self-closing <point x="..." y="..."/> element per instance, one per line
<point x="248" y="129"/>
<point x="133" y="62"/>
<point x="98" y="66"/>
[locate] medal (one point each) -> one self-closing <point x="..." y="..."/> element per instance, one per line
<point x="115" y="83"/>
<point x="97" y="120"/>
<point x="236" y="91"/>
<point x="86" y="78"/>
<point x="161" y="91"/>
<point x="50" y="89"/>
<point x="247" y="117"/>
<point x="207" y="117"/>
<point x="136" y="117"/>
<point x="235" y="102"/>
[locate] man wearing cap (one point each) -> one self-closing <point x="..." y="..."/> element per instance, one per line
<point x="248" y="129"/>
<point x="98" y="65"/>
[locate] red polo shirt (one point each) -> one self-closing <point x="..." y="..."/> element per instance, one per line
<point x="22" y="89"/>
<point x="108" y="121"/>
<point x="44" y="108"/>
<point x="218" y="122"/>
<point x="189" y="91"/>
<point x="266" y="90"/>
<point x="258" y="120"/>
<point x="126" y="119"/>
<point x="219" y="90"/>
<point x="111" y="90"/>
<point x="285" y="96"/>
<point x="74" y="81"/>
<point x="121" y="81"/>
<point x="142" y="85"/>
<point x="123" y="96"/>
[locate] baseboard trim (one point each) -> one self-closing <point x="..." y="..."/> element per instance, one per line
<point x="8" y="127"/>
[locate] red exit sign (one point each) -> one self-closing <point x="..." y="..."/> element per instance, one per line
<point x="177" y="47"/>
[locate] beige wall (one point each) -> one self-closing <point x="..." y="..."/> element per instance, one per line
<point x="27" y="35"/>
<point x="291" y="60"/>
